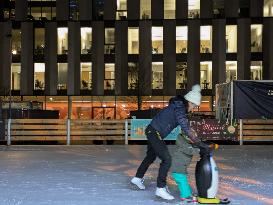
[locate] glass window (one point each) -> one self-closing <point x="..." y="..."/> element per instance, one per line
<point x="39" y="76"/>
<point x="46" y="13"/>
<point x="231" y="39"/>
<point x="256" y="38"/>
<point x="132" y="76"/>
<point x="73" y="9"/>
<point x="268" y="8"/>
<point x="62" y="76"/>
<point x="86" y="76"/>
<point x="62" y="40"/>
<point x="256" y="68"/>
<point x="181" y="39"/>
<point x="157" y="75"/>
<point x="109" y="47"/>
<point x="16" y="42"/>
<point x="86" y="40"/>
<point x="109" y="78"/>
<point x="15" y="76"/>
<point x="133" y="41"/>
<point x="35" y="13"/>
<point x="181" y="75"/>
<point x="121" y="9"/>
<point x="39" y="41"/>
<point x="157" y="40"/>
<point x="145" y="9"/>
<point x="231" y="70"/>
<point x="206" y="75"/>
<point x="169" y="9"/>
<point x="206" y="39"/>
<point x="194" y="8"/>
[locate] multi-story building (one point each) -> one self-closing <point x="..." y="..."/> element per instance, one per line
<point x="110" y="55"/>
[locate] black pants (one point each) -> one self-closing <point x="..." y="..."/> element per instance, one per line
<point x="156" y="148"/>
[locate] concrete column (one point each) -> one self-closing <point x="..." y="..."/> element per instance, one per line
<point x="181" y="11"/>
<point x="5" y="56"/>
<point x="133" y="9"/>
<point x="267" y="49"/>
<point x="74" y="50"/>
<point x="98" y="58"/>
<point x="145" y="57"/>
<point x="169" y="57"/>
<point x="193" y="58"/>
<point x="2" y="10"/>
<point x="85" y="10"/>
<point x="206" y="8"/>
<point x="231" y="8"/>
<point x="157" y="9"/>
<point x="244" y="50"/>
<point x="27" y="70"/>
<point x="21" y="10"/>
<point x="121" y="58"/>
<point x="51" y="70"/>
<point x="62" y="10"/>
<point x="218" y="52"/>
<point x="256" y="8"/>
<point x="110" y="8"/>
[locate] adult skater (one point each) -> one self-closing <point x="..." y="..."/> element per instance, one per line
<point x="162" y="125"/>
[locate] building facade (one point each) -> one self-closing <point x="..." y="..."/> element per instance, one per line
<point x="127" y="51"/>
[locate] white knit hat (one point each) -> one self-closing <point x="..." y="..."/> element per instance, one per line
<point x="194" y="95"/>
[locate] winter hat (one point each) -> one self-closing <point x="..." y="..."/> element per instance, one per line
<point x="194" y="95"/>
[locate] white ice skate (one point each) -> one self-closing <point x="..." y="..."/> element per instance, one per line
<point x="164" y="193"/>
<point x="138" y="182"/>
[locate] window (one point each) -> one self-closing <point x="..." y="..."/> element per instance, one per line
<point x="109" y="77"/>
<point x="121" y="10"/>
<point x="133" y="41"/>
<point x="73" y="10"/>
<point x="181" y="75"/>
<point x="86" y="40"/>
<point x="39" y="41"/>
<point x="157" y="40"/>
<point x="181" y="39"/>
<point x="109" y="43"/>
<point x="256" y="69"/>
<point x="86" y="76"/>
<point x="62" y="40"/>
<point x="206" y="39"/>
<point x="169" y="9"/>
<point x="16" y="42"/>
<point x="62" y="76"/>
<point x="231" y="70"/>
<point x="39" y="76"/>
<point x="256" y="38"/>
<point x="157" y="75"/>
<point x="231" y="39"/>
<point x="268" y="8"/>
<point x="206" y="75"/>
<point x="41" y="13"/>
<point x="145" y="9"/>
<point x="15" y="76"/>
<point x="193" y="8"/>
<point x="132" y="76"/>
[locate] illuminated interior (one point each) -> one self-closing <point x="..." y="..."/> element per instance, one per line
<point x="39" y="76"/>
<point x="86" y="76"/>
<point x="206" y="75"/>
<point x="133" y="40"/>
<point x="181" y="39"/>
<point x="205" y="39"/>
<point x="268" y="8"/>
<point x="181" y="75"/>
<point x="256" y="69"/>
<point x="193" y="8"/>
<point x="157" y="40"/>
<point x="231" y="39"/>
<point x="231" y="71"/>
<point x="62" y="40"/>
<point x="86" y="40"/>
<point x="145" y="9"/>
<point x="169" y="9"/>
<point x="256" y="38"/>
<point x="15" y="76"/>
<point x="157" y="75"/>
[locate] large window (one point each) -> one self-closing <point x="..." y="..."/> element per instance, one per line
<point x="39" y="41"/>
<point x="86" y="40"/>
<point x="193" y="8"/>
<point x="256" y="69"/>
<point x="39" y="76"/>
<point x="157" y="40"/>
<point x="42" y="13"/>
<point x="145" y="9"/>
<point x="268" y="8"/>
<point x="181" y="39"/>
<point x="157" y="75"/>
<point x="73" y="9"/>
<point x="86" y="76"/>
<point x="62" y="40"/>
<point x="15" y="76"/>
<point x="121" y="9"/>
<point x="133" y="40"/>
<point x="231" y="39"/>
<point x="132" y="76"/>
<point x="231" y="71"/>
<point x="206" y="39"/>
<point x="16" y="42"/>
<point x="206" y="75"/>
<point x="169" y="9"/>
<point x="109" y="43"/>
<point x="62" y="76"/>
<point x="256" y="38"/>
<point x="181" y="75"/>
<point x="109" y="77"/>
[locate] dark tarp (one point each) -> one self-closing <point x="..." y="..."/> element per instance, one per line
<point x="253" y="99"/>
